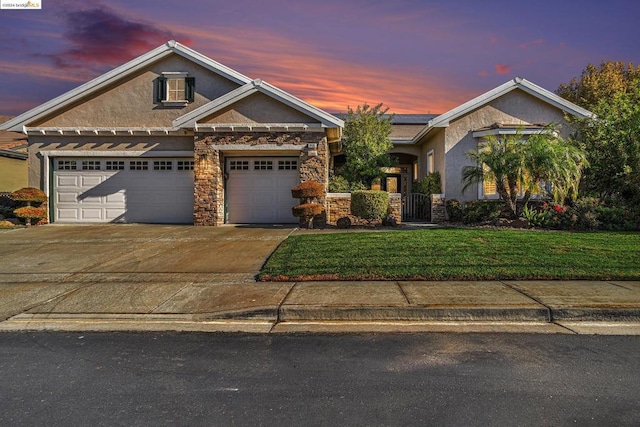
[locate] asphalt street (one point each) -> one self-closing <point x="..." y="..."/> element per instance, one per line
<point x="356" y="379"/>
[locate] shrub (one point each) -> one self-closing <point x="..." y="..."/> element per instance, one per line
<point x="6" y="224"/>
<point x="369" y="204"/>
<point x="482" y="211"/>
<point x="338" y="184"/>
<point x="307" y="190"/>
<point x="536" y="217"/>
<point x="455" y="210"/>
<point x="307" y="210"/>
<point x="29" y="194"/>
<point x="585" y="211"/>
<point x="430" y="184"/>
<point x="30" y="212"/>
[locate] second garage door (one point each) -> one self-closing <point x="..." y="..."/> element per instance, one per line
<point x="258" y="189"/>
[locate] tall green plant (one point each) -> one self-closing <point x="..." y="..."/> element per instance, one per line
<point x="366" y="143"/>
<point x="612" y="139"/>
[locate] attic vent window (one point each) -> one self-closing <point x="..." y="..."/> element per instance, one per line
<point x="175" y="89"/>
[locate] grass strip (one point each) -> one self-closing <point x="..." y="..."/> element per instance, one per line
<point x="457" y="254"/>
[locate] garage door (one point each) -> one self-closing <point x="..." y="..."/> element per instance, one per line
<point x="258" y="189"/>
<point x="123" y="190"/>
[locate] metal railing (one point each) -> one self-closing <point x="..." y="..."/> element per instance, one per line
<point x="416" y="206"/>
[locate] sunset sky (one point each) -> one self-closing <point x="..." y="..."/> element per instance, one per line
<point x="416" y="56"/>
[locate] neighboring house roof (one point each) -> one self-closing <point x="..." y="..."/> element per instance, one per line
<point x="443" y="120"/>
<point x="121" y="72"/>
<point x="12" y="144"/>
<point x="190" y="120"/>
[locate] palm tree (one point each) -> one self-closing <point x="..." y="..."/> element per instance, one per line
<point x="518" y="165"/>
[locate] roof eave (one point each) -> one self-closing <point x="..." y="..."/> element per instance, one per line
<point x="189" y="120"/>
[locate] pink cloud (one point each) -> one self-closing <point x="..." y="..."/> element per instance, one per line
<point x="536" y="42"/>
<point x="483" y="73"/>
<point x="503" y="69"/>
<point x="321" y="78"/>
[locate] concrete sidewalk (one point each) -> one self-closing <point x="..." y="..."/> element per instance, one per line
<point x="192" y="302"/>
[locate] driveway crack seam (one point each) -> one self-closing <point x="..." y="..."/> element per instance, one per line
<point x="279" y="310"/>
<point x="169" y="298"/>
<point x="404" y="294"/>
<point x="549" y="310"/>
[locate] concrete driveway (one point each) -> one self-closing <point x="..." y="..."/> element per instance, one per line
<point x="138" y="249"/>
<point x="136" y="269"/>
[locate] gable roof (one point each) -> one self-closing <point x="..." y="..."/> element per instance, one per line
<point x="169" y="48"/>
<point x="189" y="120"/>
<point x="541" y="93"/>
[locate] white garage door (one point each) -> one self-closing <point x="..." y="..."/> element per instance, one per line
<point x="258" y="189"/>
<point x="123" y="190"/>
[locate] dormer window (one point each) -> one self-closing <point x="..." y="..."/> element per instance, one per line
<point x="175" y="89"/>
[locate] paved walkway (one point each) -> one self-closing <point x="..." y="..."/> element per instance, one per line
<point x="201" y="279"/>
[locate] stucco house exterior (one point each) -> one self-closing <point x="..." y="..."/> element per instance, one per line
<point x="441" y="143"/>
<point x="176" y="137"/>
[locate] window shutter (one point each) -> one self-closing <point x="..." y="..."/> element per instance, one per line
<point x="190" y="89"/>
<point x="161" y="89"/>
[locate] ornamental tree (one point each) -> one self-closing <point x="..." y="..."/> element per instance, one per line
<point x="366" y="143"/>
<point x="308" y="193"/>
<point x="29" y="195"/>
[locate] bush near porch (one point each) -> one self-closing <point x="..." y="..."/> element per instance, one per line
<point x="584" y="214"/>
<point x="457" y="254"/>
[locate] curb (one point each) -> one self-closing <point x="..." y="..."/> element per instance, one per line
<point x="289" y="313"/>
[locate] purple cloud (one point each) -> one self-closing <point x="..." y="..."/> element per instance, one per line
<point x="100" y="36"/>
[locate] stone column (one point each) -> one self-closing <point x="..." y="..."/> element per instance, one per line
<point x="395" y="206"/>
<point x="208" y="203"/>
<point x="314" y="166"/>
<point x="438" y="208"/>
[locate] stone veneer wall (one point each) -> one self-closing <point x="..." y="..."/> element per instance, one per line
<point x="208" y="201"/>
<point x="209" y="165"/>
<point x="438" y="208"/>
<point x="338" y="205"/>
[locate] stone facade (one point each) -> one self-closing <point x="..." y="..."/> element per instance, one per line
<point x="395" y="206"/>
<point x="209" y="164"/>
<point x="208" y="201"/>
<point x="338" y="205"/>
<point x="438" y="208"/>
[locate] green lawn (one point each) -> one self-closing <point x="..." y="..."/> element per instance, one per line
<point x="456" y="254"/>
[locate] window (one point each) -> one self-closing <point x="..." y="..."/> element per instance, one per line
<point x="175" y="88"/>
<point x="91" y="165"/>
<point x="430" y="162"/>
<point x="287" y="165"/>
<point x="239" y="165"/>
<point x="67" y="165"/>
<point x="185" y="165"/>
<point x="263" y="165"/>
<point x="162" y="165"/>
<point x="139" y="165"/>
<point x="114" y="165"/>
